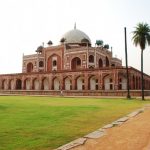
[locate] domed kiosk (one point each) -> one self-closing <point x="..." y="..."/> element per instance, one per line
<point x="75" y="36"/>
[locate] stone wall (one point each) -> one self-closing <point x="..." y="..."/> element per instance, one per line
<point x="119" y="93"/>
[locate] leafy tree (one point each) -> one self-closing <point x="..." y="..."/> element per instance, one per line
<point x="141" y="37"/>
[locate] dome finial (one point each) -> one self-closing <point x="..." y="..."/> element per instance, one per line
<point x="75" y="26"/>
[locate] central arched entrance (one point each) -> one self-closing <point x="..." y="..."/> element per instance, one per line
<point x="54" y="62"/>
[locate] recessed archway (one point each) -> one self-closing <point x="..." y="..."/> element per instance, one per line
<point x="18" y="84"/>
<point x="4" y="84"/>
<point x="122" y="83"/>
<point x="100" y="63"/>
<point x="11" y="84"/>
<point x="54" y="62"/>
<point x="36" y="84"/>
<point x="107" y="62"/>
<point x="67" y="82"/>
<point x="76" y="63"/>
<point x="27" y="84"/>
<point x="91" y="59"/>
<point x="45" y="84"/>
<point x="29" y="67"/>
<point x="93" y="81"/>
<point x="108" y="83"/>
<point x="80" y="83"/>
<point x="56" y="84"/>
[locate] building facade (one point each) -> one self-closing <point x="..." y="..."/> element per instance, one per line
<point x="72" y="66"/>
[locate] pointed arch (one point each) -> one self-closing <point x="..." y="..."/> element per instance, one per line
<point x="36" y="84"/>
<point x="67" y="83"/>
<point x="27" y="85"/>
<point x="45" y="84"/>
<point x="100" y="63"/>
<point x="93" y="83"/>
<point x="108" y="82"/>
<point x="29" y="67"/>
<point x="55" y="84"/>
<point x="75" y="63"/>
<point x="54" y="62"/>
<point x="80" y="83"/>
<point x="91" y="59"/>
<point x="10" y="85"/>
<point x="18" y="84"/>
<point x="107" y="62"/>
<point x="122" y="83"/>
<point x="4" y="84"/>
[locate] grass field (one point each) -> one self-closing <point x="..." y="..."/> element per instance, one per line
<point x="41" y="123"/>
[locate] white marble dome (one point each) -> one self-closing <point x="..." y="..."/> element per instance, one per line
<point x="75" y="36"/>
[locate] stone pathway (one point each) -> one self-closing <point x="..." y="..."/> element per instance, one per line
<point x="131" y="132"/>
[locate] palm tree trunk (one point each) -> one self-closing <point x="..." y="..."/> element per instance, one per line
<point x="127" y="72"/>
<point x="142" y="80"/>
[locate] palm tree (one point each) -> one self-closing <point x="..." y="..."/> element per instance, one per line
<point x="141" y="37"/>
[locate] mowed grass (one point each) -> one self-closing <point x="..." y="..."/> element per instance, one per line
<point x="44" y="123"/>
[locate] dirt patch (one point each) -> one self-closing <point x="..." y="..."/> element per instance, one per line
<point x="132" y="135"/>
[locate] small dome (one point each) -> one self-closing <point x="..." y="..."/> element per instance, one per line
<point x="39" y="49"/>
<point x="75" y="36"/>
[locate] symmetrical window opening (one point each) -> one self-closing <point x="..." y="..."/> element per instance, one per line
<point x="91" y="59"/>
<point x="41" y="64"/>
<point x="54" y="63"/>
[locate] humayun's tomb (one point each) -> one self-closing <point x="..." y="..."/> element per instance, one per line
<point x="74" y="67"/>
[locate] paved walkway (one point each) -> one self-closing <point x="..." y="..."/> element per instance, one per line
<point x="132" y="135"/>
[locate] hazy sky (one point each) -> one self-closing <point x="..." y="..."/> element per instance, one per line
<point x="25" y="24"/>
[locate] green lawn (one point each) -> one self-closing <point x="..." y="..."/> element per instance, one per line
<point x="41" y="123"/>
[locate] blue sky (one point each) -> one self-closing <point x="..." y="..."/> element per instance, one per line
<point x="25" y="24"/>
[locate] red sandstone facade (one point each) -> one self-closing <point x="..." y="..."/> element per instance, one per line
<point x="75" y="67"/>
